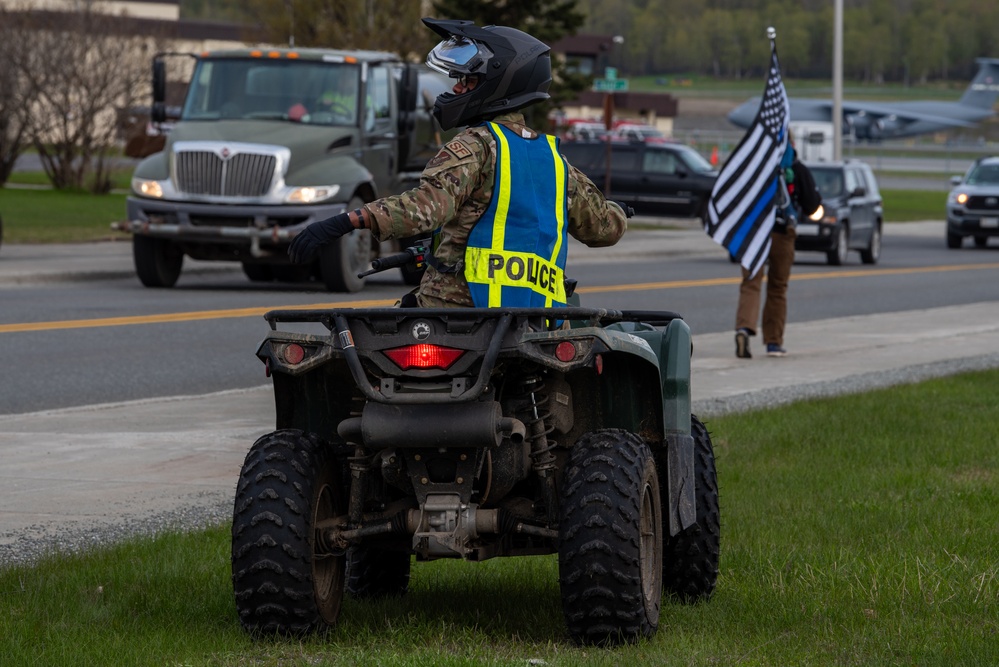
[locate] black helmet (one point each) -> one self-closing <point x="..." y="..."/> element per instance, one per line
<point x="514" y="70"/>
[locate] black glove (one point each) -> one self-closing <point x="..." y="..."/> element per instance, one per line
<point x="628" y="211"/>
<point x="306" y="246"/>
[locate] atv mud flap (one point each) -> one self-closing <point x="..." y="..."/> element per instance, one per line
<point x="680" y="462"/>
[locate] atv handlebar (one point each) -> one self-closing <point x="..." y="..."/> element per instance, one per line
<point x="415" y="255"/>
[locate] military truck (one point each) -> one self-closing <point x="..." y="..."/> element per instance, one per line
<point x="269" y="141"/>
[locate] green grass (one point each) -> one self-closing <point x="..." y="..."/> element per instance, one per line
<point x="701" y="85"/>
<point x="857" y="530"/>
<point x="910" y="205"/>
<point x="120" y="178"/>
<point x="53" y="216"/>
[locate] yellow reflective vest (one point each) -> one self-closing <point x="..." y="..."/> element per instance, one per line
<point x="516" y="251"/>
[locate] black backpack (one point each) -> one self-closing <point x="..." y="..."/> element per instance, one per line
<point x="806" y="194"/>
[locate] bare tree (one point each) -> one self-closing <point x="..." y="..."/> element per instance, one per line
<point x="83" y="68"/>
<point x="15" y="120"/>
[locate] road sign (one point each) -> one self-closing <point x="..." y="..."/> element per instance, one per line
<point x="610" y="85"/>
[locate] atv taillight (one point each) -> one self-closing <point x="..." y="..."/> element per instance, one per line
<point x="293" y="353"/>
<point x="423" y="355"/>
<point x="565" y="351"/>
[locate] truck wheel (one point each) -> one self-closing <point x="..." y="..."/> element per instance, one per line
<point x="344" y="258"/>
<point x="284" y="580"/>
<point x="690" y="558"/>
<point x="954" y="240"/>
<point x="157" y="261"/>
<point x="872" y="252"/>
<point x="291" y="274"/>
<point x="841" y="252"/>
<point x="377" y="573"/>
<point x="610" y="539"/>
<point x="258" y="273"/>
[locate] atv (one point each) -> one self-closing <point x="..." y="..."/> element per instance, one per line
<point x="477" y="433"/>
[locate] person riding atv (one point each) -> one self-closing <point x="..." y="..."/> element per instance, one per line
<point x="490" y="418"/>
<point x="499" y="198"/>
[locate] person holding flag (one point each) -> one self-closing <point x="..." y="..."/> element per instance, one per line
<point x="749" y="195"/>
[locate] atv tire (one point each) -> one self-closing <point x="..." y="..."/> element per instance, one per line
<point x="610" y="546"/>
<point x="283" y="581"/>
<point x="377" y="573"/>
<point x="690" y="558"/>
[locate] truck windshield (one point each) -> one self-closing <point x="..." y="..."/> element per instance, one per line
<point x="301" y="91"/>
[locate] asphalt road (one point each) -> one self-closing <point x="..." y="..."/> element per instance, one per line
<point x="78" y="328"/>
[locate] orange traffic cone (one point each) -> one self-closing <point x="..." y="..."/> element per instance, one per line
<point x="714" y="156"/>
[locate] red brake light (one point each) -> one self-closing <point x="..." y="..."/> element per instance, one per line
<point x="565" y="351"/>
<point x="293" y="353"/>
<point x="423" y="355"/>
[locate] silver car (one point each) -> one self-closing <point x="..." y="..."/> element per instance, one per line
<point x="973" y="204"/>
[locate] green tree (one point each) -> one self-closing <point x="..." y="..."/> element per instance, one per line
<point x="381" y="25"/>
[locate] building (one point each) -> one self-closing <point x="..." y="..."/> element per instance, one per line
<point x="593" y="55"/>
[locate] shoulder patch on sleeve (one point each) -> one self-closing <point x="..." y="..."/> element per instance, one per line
<point x="459" y="149"/>
<point x="439" y="159"/>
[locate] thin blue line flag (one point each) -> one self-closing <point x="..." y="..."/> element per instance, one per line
<point x="742" y="207"/>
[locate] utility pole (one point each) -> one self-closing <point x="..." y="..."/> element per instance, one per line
<point x="837" y="110"/>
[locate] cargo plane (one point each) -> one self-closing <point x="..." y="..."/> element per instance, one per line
<point x="873" y="121"/>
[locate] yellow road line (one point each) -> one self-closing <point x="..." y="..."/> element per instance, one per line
<point x="258" y="312"/>
<point x="181" y="317"/>
<point x="735" y="280"/>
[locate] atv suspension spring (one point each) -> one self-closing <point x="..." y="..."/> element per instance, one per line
<point x="360" y="469"/>
<point x="537" y="417"/>
<point x="538" y="423"/>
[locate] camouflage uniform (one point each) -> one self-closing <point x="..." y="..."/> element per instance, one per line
<point x="454" y="191"/>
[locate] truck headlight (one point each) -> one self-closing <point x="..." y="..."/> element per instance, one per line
<point x="817" y="214"/>
<point x="960" y="198"/>
<point x="310" y="194"/>
<point x="146" y="188"/>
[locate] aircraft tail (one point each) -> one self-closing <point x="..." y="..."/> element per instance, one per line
<point x="984" y="88"/>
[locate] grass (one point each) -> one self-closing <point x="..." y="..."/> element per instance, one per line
<point x="911" y="205"/>
<point x="54" y="216"/>
<point x="856" y="530"/>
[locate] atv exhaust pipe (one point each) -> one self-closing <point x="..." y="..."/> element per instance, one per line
<point x="479" y="424"/>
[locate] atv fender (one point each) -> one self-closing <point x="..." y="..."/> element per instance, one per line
<point x="672" y="348"/>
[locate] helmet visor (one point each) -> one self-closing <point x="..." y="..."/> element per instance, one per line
<point x="458" y="55"/>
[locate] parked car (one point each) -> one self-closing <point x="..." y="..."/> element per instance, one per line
<point x="973" y="204"/>
<point x="585" y="131"/>
<point x="852" y="213"/>
<point x="637" y="132"/>
<point x="661" y="179"/>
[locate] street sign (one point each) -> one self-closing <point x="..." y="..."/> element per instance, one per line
<point x="610" y="85"/>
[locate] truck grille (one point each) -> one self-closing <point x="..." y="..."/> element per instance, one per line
<point x="985" y="203"/>
<point x="239" y="175"/>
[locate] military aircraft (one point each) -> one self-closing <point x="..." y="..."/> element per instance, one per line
<point x="873" y="121"/>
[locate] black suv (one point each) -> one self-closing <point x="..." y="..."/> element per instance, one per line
<point x="851" y="216"/>
<point x="973" y="204"/>
<point x="653" y="177"/>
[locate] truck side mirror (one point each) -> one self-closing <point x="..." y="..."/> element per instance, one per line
<point x="409" y="89"/>
<point x="158" y="111"/>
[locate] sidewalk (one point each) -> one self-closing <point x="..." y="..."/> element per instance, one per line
<point x="83" y="476"/>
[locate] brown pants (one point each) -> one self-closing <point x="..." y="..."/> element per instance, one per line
<point x="775" y="309"/>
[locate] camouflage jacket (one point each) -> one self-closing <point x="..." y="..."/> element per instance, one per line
<point x="454" y="191"/>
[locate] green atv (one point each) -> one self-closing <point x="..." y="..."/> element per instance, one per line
<point x="477" y="433"/>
